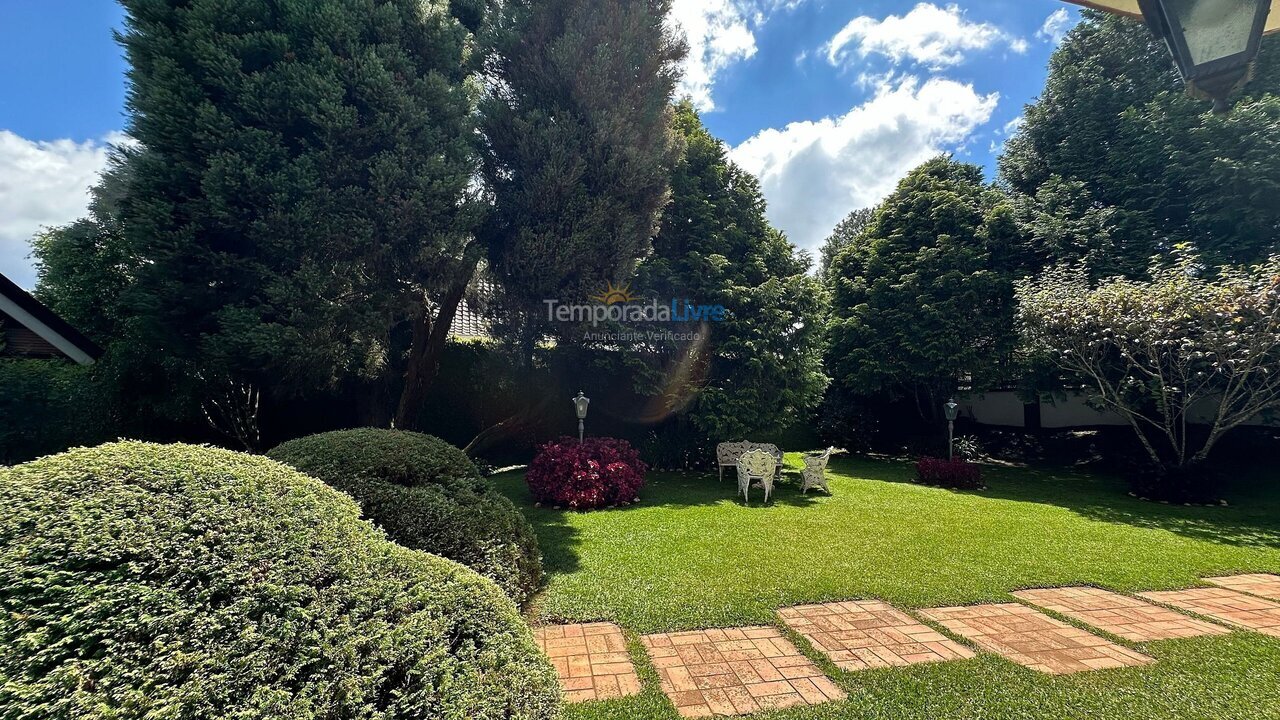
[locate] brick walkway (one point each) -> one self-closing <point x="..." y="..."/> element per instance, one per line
<point x="1260" y="584"/>
<point x="1033" y="639"/>
<point x="857" y="635"/>
<point x="1229" y="606"/>
<point x="590" y="659"/>
<point x="736" y="671"/>
<point x="1120" y="615"/>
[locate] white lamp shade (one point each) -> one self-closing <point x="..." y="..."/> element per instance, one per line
<point x="1130" y="8"/>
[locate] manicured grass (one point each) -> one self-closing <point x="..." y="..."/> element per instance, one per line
<point x="690" y="556"/>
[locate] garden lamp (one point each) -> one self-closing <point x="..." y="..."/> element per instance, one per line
<point x="951" y="410"/>
<point x="580" y="404"/>
<point x="1213" y="42"/>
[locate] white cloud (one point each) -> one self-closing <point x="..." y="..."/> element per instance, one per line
<point x="719" y="33"/>
<point x="1055" y="26"/>
<point x="814" y="172"/>
<point x="931" y="35"/>
<point x="42" y="184"/>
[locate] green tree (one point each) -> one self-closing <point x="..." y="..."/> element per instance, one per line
<point x="1115" y="163"/>
<point x="1186" y="347"/>
<point x="303" y="190"/>
<point x="923" y="298"/>
<point x="761" y="367"/>
<point x="577" y="156"/>
<point x="843" y="235"/>
<point x="578" y="148"/>
<point x="83" y="268"/>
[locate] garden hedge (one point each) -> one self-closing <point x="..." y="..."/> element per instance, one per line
<point x="144" y="580"/>
<point x="427" y="495"/>
<point x="49" y="405"/>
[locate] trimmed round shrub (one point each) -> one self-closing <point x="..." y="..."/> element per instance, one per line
<point x="427" y="495"/>
<point x="144" y="580"/>
<point x="598" y="472"/>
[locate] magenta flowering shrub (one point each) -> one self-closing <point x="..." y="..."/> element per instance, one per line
<point x="596" y="473"/>
<point x="955" y="473"/>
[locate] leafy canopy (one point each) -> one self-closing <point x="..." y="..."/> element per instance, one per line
<point x="1187" y="345"/>
<point x="305" y="178"/>
<point x="577" y="148"/>
<point x="762" y="366"/>
<point x="1114" y="163"/>
<point x="922" y="298"/>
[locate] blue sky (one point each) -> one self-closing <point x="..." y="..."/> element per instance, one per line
<point x="829" y="102"/>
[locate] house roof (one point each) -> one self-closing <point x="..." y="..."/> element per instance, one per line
<point x="33" y="315"/>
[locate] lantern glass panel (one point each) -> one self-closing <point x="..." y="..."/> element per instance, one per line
<point x="1213" y="29"/>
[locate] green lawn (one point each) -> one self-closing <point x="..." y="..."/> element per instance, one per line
<point x="690" y="556"/>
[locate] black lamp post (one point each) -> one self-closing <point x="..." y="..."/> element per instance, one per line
<point x="951" y="409"/>
<point x="1213" y="42"/>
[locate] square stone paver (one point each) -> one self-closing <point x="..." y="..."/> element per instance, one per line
<point x="590" y="659"/>
<point x="736" y="671"/>
<point x="1034" y="639"/>
<point x="1121" y="615"/>
<point x="857" y="635"/>
<point x="1229" y="606"/>
<point x="1260" y="584"/>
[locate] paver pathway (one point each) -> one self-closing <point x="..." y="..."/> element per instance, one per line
<point x="735" y="671"/>
<point x="1229" y="606"/>
<point x="1260" y="584"/>
<point x="1120" y="615"/>
<point x="590" y="659"/>
<point x="1034" y="639"/>
<point x="857" y="635"/>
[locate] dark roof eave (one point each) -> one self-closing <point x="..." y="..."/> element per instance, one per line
<point x="49" y="318"/>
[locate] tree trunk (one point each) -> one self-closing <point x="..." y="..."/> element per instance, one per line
<point x="425" y="350"/>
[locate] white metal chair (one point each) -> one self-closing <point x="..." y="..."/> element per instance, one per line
<point x="756" y="464"/>
<point x="727" y="454"/>
<point x="814" y="474"/>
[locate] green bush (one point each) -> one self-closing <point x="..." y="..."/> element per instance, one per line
<point x="428" y="496"/>
<point x="144" y="580"/>
<point x="49" y="406"/>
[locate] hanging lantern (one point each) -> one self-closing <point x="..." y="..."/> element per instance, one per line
<point x="1213" y="42"/>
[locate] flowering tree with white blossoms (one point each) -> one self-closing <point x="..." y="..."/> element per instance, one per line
<point x="1152" y="350"/>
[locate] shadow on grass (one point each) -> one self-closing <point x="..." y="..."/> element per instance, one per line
<point x="1251" y="520"/>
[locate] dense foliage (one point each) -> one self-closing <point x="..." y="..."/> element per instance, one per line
<point x="845" y="233"/>
<point x="924" y="295"/>
<point x="577" y="148"/>
<point x="1185" y="346"/>
<point x="597" y="472"/>
<point x="144" y="580"/>
<point x="48" y="406"/>
<point x="84" y="267"/>
<point x="1115" y="163"/>
<point x="427" y="495"/>
<point x="761" y="366"/>
<point x="953" y="473"/>
<point x="303" y="182"/>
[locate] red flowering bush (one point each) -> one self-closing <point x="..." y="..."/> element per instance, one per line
<point x="595" y="473"/>
<point x="955" y="473"/>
